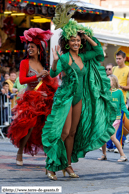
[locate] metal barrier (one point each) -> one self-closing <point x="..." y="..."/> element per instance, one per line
<point x="5" y="113"/>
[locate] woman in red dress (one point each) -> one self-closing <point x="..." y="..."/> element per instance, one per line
<point x="35" y="104"/>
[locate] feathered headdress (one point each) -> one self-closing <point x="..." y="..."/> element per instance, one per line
<point x="63" y="13"/>
<point x="72" y="28"/>
<point x="36" y="35"/>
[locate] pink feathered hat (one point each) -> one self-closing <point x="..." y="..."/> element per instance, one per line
<point x="36" y="35"/>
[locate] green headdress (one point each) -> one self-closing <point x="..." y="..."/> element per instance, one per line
<point x="63" y="13"/>
<point x="72" y="28"/>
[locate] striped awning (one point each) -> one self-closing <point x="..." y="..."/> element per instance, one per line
<point x="86" y="12"/>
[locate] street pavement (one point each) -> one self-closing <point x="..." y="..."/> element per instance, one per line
<point x="96" y="177"/>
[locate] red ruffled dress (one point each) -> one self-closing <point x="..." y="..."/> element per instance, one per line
<point x="32" y="108"/>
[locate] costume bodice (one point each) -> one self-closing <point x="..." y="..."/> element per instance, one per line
<point x="31" y="73"/>
<point x="80" y="73"/>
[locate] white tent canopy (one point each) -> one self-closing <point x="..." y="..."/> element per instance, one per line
<point x="112" y="40"/>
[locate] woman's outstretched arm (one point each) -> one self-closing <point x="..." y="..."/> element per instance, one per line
<point x="56" y="65"/>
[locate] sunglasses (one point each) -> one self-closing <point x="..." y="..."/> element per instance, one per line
<point x="108" y="69"/>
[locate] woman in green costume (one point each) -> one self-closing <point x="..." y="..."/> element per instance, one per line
<point x="82" y="113"/>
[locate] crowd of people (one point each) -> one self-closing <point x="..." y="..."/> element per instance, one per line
<point x="6" y="95"/>
<point x="119" y="76"/>
<point x="79" y="115"/>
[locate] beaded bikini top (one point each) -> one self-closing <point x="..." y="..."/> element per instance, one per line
<point x="31" y="73"/>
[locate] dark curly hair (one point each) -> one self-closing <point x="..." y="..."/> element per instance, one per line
<point x="62" y="42"/>
<point x="43" y="57"/>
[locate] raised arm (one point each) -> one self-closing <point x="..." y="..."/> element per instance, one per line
<point x="56" y="65"/>
<point x="92" y="42"/>
<point x="93" y="49"/>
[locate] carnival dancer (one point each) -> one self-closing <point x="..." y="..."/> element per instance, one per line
<point x="82" y="112"/>
<point x="118" y="99"/>
<point x="35" y="104"/>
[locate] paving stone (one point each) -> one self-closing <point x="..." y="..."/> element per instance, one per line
<point x="96" y="177"/>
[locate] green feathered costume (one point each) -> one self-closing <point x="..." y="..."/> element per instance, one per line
<point x="97" y="116"/>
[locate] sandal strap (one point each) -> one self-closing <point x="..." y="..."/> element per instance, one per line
<point x="123" y="158"/>
<point x="103" y="157"/>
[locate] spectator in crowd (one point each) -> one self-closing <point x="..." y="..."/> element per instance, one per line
<point x="7" y="95"/>
<point x="1" y="77"/>
<point x="118" y="100"/>
<point x="11" y="82"/>
<point x="121" y="71"/>
<point x="109" y="68"/>
<point x="6" y="76"/>
<point x="17" y="87"/>
<point x="109" y="71"/>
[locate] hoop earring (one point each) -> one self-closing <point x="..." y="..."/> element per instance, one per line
<point x="67" y="46"/>
<point x="38" y="53"/>
<point x="81" y="46"/>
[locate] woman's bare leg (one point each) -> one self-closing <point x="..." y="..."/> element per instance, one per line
<point x="76" y="113"/>
<point x="23" y="142"/>
<point x="65" y="130"/>
<point x="67" y="125"/>
<point x="69" y="130"/>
